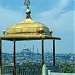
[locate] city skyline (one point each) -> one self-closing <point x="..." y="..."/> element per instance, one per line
<point x="58" y="15"/>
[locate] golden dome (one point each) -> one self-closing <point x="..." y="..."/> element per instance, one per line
<point x="27" y="27"/>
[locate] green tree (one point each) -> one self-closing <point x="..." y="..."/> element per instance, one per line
<point x="67" y="67"/>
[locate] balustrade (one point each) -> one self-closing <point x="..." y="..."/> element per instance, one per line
<point x="22" y="70"/>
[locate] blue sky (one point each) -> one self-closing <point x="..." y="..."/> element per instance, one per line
<point x="58" y="15"/>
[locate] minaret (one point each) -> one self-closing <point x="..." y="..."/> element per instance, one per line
<point x="37" y="55"/>
<point x="33" y="48"/>
<point x="30" y="53"/>
<point x="33" y="52"/>
<point x="37" y="50"/>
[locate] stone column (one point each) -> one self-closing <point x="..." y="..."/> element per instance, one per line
<point x="14" y="70"/>
<point x="44" y="70"/>
<point x="54" y="55"/>
<point x="42" y="52"/>
<point x="0" y="56"/>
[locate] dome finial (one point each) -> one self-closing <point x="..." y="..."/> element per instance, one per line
<point x="27" y="3"/>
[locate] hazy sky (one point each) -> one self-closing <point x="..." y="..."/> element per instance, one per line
<point x="58" y="15"/>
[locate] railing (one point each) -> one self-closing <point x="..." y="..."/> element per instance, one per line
<point x="22" y="70"/>
<point x="26" y="70"/>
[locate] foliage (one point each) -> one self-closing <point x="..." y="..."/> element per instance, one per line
<point x="31" y="64"/>
<point x="67" y="67"/>
<point x="33" y="68"/>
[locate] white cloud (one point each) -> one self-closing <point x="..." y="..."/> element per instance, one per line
<point x="57" y="9"/>
<point x="57" y="19"/>
<point x="9" y="17"/>
<point x="63" y="3"/>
